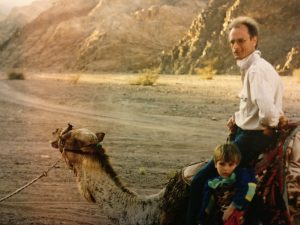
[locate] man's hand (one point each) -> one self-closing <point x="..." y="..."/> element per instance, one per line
<point x="231" y="124"/>
<point x="269" y="131"/>
<point x="227" y="213"/>
<point x="283" y="122"/>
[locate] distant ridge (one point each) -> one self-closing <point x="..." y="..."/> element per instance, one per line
<point x="206" y="44"/>
<point x="99" y="35"/>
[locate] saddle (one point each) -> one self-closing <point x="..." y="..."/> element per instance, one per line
<point x="291" y="148"/>
<point x="190" y="171"/>
<point x="280" y="165"/>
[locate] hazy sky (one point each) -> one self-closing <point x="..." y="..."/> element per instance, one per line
<point x="15" y="2"/>
<point x="7" y="5"/>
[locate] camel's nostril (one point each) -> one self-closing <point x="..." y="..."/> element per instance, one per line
<point x="54" y="144"/>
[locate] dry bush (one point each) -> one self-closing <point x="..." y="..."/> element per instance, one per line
<point x="142" y="170"/>
<point x="146" y="80"/>
<point x="171" y="174"/>
<point x="206" y="73"/>
<point x="15" y="75"/>
<point x="296" y="74"/>
<point x="75" y="79"/>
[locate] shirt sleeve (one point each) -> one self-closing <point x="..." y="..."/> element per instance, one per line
<point x="245" y="188"/>
<point x="262" y="93"/>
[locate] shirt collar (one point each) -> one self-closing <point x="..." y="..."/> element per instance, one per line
<point x="245" y="63"/>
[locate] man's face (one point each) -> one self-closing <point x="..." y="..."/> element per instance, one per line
<point x="241" y="43"/>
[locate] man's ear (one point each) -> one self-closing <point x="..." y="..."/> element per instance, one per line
<point x="254" y="41"/>
<point x="100" y="136"/>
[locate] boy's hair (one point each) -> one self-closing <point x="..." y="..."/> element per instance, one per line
<point x="228" y="152"/>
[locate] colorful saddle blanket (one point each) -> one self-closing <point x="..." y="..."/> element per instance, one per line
<point x="278" y="176"/>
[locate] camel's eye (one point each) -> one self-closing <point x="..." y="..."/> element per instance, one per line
<point x="61" y="142"/>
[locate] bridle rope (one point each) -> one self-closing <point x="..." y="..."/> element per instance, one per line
<point x="43" y="174"/>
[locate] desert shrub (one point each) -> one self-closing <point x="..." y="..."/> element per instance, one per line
<point x="171" y="174"/>
<point x="15" y="75"/>
<point x="206" y="70"/>
<point x="75" y="79"/>
<point x="206" y="73"/>
<point x="146" y="79"/>
<point x="296" y="74"/>
<point x="142" y="170"/>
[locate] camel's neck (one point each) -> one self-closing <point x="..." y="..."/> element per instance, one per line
<point x="117" y="202"/>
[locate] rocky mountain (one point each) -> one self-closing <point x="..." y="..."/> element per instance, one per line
<point x="99" y="35"/>
<point x="206" y="42"/>
<point x="19" y="16"/>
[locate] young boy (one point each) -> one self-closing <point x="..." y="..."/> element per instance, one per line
<point x="227" y="195"/>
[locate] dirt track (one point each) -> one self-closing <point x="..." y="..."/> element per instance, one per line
<point x="156" y="130"/>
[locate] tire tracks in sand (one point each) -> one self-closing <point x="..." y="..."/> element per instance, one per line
<point x="147" y="121"/>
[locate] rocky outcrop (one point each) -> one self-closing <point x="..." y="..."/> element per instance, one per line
<point x="206" y="44"/>
<point x="131" y="38"/>
<point x="99" y="35"/>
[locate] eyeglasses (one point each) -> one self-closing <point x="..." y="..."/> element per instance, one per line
<point x="238" y="41"/>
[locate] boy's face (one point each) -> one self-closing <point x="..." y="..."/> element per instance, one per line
<point x="225" y="169"/>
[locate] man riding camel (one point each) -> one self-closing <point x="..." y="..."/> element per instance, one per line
<point x="259" y="112"/>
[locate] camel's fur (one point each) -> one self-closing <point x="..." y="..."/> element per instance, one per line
<point x="98" y="182"/>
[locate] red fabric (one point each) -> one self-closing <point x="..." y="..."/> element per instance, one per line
<point x="236" y="218"/>
<point x="271" y="182"/>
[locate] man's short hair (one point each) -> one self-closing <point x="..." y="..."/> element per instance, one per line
<point x="250" y="23"/>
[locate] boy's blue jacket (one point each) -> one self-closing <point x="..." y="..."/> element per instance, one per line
<point x="244" y="183"/>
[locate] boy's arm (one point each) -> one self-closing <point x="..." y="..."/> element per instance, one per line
<point x="205" y="203"/>
<point x="245" y="188"/>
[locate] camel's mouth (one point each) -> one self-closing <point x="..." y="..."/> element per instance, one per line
<point x="54" y="144"/>
<point x="56" y="135"/>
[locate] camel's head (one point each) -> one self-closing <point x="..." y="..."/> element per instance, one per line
<point x="73" y="143"/>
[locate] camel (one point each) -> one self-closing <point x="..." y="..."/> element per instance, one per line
<point x="98" y="182"/>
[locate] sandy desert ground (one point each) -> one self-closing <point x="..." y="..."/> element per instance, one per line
<point x="151" y="132"/>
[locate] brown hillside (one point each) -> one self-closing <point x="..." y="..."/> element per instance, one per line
<point x="206" y="42"/>
<point x="99" y="35"/>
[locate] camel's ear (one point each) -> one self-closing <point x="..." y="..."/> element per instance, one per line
<point x="66" y="136"/>
<point x="67" y="129"/>
<point x="100" y="136"/>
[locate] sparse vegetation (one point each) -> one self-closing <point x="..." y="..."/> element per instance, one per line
<point x="171" y="174"/>
<point x="146" y="79"/>
<point x="142" y="171"/>
<point x="206" y="70"/>
<point x="296" y="74"/>
<point x="206" y="73"/>
<point x="76" y="78"/>
<point x="15" y="75"/>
